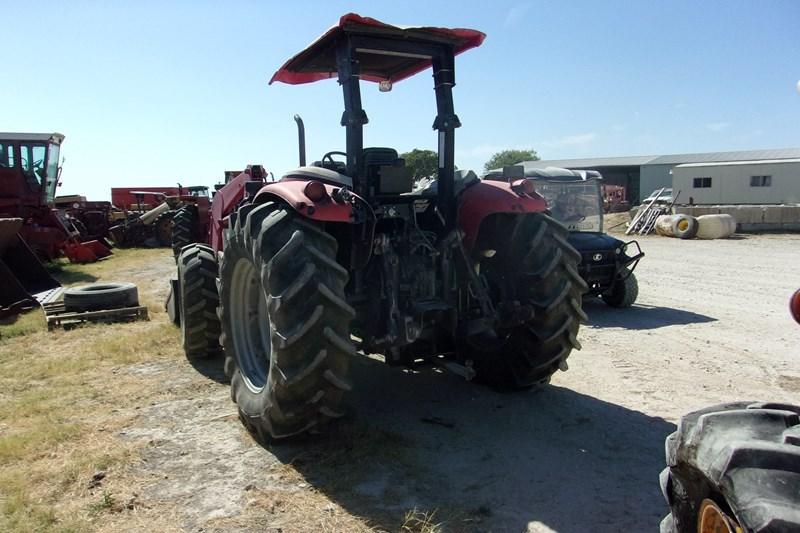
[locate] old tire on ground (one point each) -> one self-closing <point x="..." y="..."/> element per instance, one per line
<point x="97" y="296"/>
<point x="742" y="457"/>
<point x="684" y="226"/>
<point x="184" y="228"/>
<point x="623" y="292"/>
<point x="162" y="228"/>
<point x="534" y="283"/>
<point x="285" y="322"/>
<point x="199" y="299"/>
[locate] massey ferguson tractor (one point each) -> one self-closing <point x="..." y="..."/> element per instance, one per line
<point x="343" y="255"/>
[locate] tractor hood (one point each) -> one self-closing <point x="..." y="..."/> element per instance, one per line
<point x="318" y="60"/>
<point x="585" y="240"/>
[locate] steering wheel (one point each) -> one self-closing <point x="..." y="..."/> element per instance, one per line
<point x="329" y="157"/>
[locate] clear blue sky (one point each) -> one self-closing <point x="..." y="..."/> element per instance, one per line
<point x="151" y="93"/>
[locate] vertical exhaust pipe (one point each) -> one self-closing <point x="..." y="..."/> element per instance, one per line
<point x="301" y="139"/>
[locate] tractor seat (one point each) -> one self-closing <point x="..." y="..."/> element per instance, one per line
<point x="324" y="175"/>
<point x="386" y="172"/>
<point x="462" y="179"/>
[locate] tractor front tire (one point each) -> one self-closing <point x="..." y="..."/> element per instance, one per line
<point x="184" y="226"/>
<point x="623" y="292"/>
<point x="285" y="321"/>
<point x="199" y="299"/>
<point x="734" y="465"/>
<point x="535" y="269"/>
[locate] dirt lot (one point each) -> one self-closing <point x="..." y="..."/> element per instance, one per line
<point x="109" y="428"/>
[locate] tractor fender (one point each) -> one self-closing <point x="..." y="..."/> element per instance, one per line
<point x="293" y="193"/>
<point x="489" y="197"/>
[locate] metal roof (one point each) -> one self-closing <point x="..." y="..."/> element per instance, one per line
<point x="592" y="162"/>
<point x="32" y="137"/>
<point x="672" y="159"/>
<point x="730" y="163"/>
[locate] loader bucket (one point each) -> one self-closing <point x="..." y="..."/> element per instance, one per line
<point x="86" y="252"/>
<point x="23" y="279"/>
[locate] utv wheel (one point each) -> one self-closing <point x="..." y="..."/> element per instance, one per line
<point x="162" y="228"/>
<point x="197" y="283"/>
<point x="535" y="286"/>
<point x="285" y="322"/>
<point x="734" y="465"/>
<point x="184" y="225"/>
<point x="622" y="293"/>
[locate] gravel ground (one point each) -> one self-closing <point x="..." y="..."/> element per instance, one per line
<point x="711" y="325"/>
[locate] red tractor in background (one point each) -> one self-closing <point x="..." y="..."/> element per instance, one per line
<point x="345" y="255"/>
<point x="29" y="174"/>
<point x="148" y="213"/>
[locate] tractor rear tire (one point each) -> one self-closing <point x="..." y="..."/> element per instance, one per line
<point x="533" y="266"/>
<point x="184" y="228"/>
<point x="623" y="292"/>
<point x="744" y="458"/>
<point x="199" y="299"/>
<point x="285" y="321"/>
<point x="162" y="228"/>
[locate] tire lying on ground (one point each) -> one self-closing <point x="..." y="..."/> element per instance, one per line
<point x="285" y="321"/>
<point x="718" y="226"/>
<point x="98" y="296"/>
<point x="681" y="226"/>
<point x="534" y="269"/>
<point x="197" y="283"/>
<point x="184" y="225"/>
<point x="734" y="464"/>
<point x="623" y="292"/>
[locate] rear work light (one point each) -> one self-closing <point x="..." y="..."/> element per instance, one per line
<point x="523" y="186"/>
<point x="315" y="191"/>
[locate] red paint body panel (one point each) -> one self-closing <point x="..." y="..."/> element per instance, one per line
<point x="291" y="73"/>
<point x="223" y="204"/>
<point x="292" y="192"/>
<point x="122" y="197"/>
<point x="489" y="197"/>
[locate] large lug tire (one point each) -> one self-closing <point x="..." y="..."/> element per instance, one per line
<point x="536" y="269"/>
<point x="285" y="321"/>
<point x="623" y="292"/>
<point x="184" y="228"/>
<point x="742" y="458"/>
<point x="162" y="228"/>
<point x="101" y="296"/>
<point x="197" y="283"/>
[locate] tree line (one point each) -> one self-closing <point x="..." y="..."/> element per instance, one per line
<point x="424" y="163"/>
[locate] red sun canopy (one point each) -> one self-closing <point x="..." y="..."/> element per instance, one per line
<point x="318" y="60"/>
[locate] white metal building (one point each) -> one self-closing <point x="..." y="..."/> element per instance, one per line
<point x="739" y="182"/>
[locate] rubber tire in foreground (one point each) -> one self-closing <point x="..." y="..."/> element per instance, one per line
<point x="533" y="266"/>
<point x="100" y="296"/>
<point x="184" y="225"/>
<point x="162" y="228"/>
<point x="289" y="367"/>
<point x="199" y="299"/>
<point x="745" y="457"/>
<point x="623" y="292"/>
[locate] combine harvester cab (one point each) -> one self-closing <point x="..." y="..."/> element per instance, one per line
<point x="24" y="282"/>
<point x="29" y="176"/>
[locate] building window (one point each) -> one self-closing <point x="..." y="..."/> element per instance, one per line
<point x="702" y="183"/>
<point x="761" y="181"/>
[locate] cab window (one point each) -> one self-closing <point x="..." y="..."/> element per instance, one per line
<point x="6" y="155"/>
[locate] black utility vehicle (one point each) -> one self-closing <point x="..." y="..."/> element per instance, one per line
<point x="574" y="198"/>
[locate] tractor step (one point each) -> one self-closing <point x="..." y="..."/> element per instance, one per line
<point x="57" y="316"/>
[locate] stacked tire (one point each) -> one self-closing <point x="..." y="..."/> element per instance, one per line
<point x="184" y="228"/>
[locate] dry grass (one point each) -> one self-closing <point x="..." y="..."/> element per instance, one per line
<point x="58" y="403"/>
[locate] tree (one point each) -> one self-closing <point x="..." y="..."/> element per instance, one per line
<point x="510" y="157"/>
<point x="423" y="163"/>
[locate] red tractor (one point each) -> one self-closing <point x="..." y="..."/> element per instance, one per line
<point x="29" y="174"/>
<point x="345" y="255"/>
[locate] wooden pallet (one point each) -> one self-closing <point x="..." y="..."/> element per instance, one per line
<point x="57" y="316"/>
